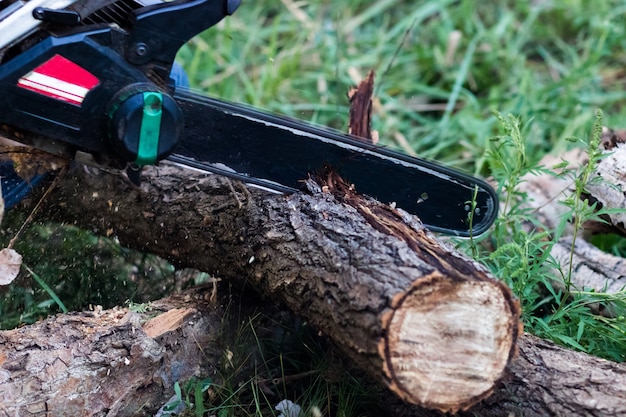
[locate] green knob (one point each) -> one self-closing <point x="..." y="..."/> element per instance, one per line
<point x="144" y="125"/>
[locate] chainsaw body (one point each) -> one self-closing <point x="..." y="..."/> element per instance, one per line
<point x="89" y="79"/>
<point x="100" y="83"/>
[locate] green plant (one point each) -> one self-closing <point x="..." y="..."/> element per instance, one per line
<point x="439" y="72"/>
<point x="552" y="307"/>
<point x="68" y="269"/>
<point x="270" y="358"/>
<point x="46" y="288"/>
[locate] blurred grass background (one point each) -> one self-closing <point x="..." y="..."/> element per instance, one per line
<point x="442" y="68"/>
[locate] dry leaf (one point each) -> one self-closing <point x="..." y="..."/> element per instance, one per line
<point x="10" y="263"/>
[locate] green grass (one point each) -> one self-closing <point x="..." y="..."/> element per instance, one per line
<point x="486" y="86"/>
<point x="66" y="268"/>
<point x="541" y="63"/>
<point x="552" y="306"/>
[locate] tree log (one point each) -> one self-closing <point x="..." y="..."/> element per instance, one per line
<point x="548" y="380"/>
<point x="428" y="322"/>
<point x="108" y="363"/>
<point x="123" y="363"/>
<point x="543" y="380"/>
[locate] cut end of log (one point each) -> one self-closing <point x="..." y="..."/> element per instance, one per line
<point x="448" y="343"/>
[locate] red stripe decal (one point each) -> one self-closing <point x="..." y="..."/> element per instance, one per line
<point x="61" y="79"/>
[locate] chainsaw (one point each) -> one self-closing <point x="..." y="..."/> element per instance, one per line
<point x="91" y="80"/>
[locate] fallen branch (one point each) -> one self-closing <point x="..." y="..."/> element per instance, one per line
<point x="114" y="362"/>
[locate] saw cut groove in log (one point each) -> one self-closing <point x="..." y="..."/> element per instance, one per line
<point x="439" y="307"/>
<point x="420" y="321"/>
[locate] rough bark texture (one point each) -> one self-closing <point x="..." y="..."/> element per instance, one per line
<point x="122" y="363"/>
<point x="548" y="380"/>
<point x="227" y="234"/>
<point x="429" y="322"/>
<point x="108" y="363"/>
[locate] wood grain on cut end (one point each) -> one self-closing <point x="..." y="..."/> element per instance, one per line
<point x="448" y="343"/>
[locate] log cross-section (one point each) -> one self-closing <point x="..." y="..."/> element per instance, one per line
<point x="439" y="351"/>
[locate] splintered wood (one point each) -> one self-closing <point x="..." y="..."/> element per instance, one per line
<point x="415" y="314"/>
<point x="104" y="363"/>
<point x="361" y="103"/>
<point x="167" y="322"/>
<point x="361" y="108"/>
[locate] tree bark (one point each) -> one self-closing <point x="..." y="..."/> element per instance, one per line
<point x="123" y="363"/>
<point x="174" y="216"/>
<point x="609" y="191"/>
<point x="428" y="322"/>
<point x="548" y="380"/>
<point x="109" y="363"/>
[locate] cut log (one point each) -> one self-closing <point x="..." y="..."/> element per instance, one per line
<point x="425" y="320"/>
